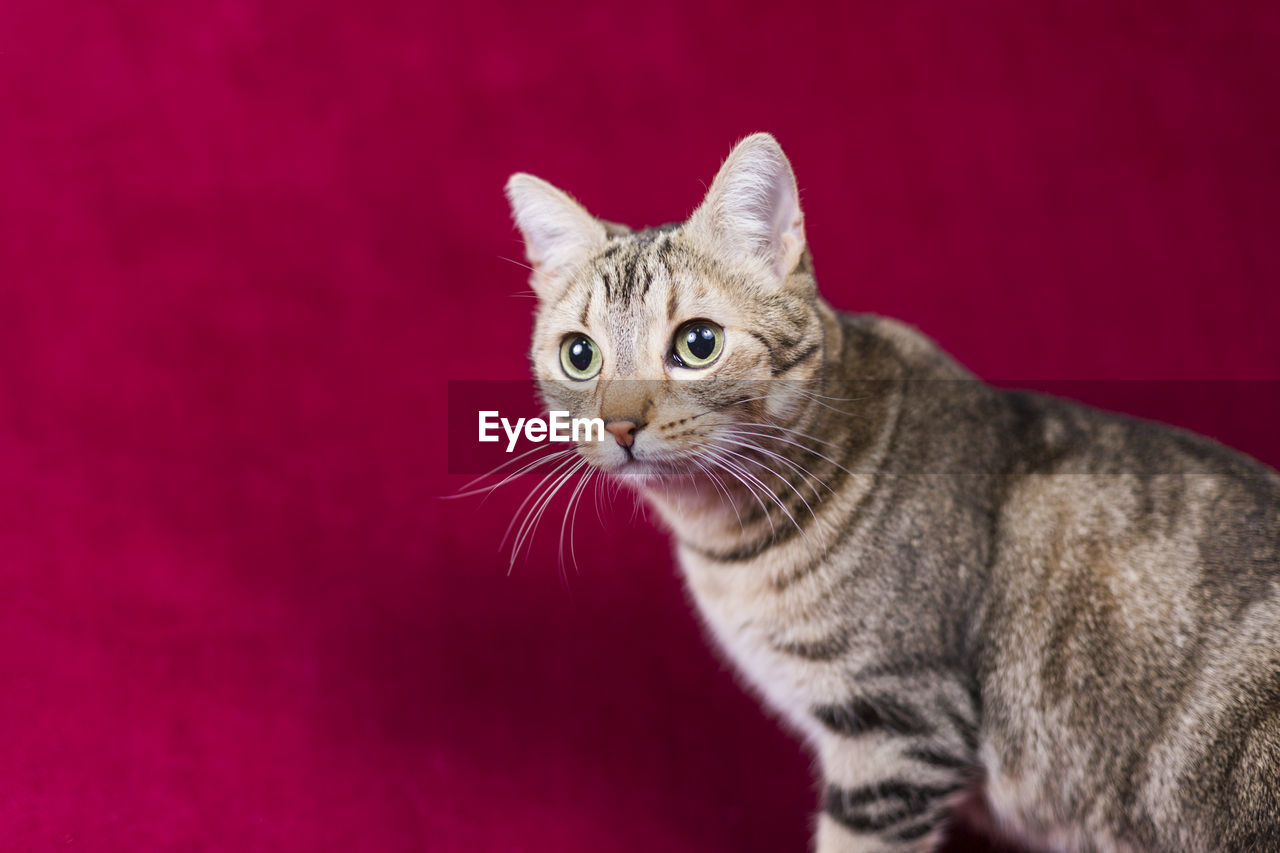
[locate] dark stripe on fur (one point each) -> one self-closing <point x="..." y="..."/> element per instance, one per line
<point x="860" y="821"/>
<point x="797" y="480"/>
<point x="967" y="731"/>
<point x="630" y="272"/>
<point x="938" y="758"/>
<point x="804" y="476"/>
<point x="782" y="583"/>
<point x="859" y="716"/>
<point x="849" y="807"/>
<point x="780" y="364"/>
<point x="752" y="549"/>
<point x="765" y="342"/>
<point x="919" y="830"/>
<point x="826" y="649"/>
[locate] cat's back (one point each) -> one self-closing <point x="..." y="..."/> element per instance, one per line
<point x="1132" y="637"/>
<point x="1152" y="477"/>
<point x="1128" y="624"/>
<point x="1137" y="484"/>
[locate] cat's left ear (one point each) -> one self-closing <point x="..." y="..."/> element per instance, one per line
<point x="558" y="232"/>
<point x="752" y="214"/>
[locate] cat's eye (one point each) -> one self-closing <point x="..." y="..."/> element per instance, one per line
<point x="580" y="357"/>
<point x="698" y="343"/>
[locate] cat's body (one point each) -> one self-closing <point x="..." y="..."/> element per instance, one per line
<point x="948" y="585"/>
<point x="1025" y="585"/>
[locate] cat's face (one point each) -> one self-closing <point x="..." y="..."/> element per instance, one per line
<point x="686" y="340"/>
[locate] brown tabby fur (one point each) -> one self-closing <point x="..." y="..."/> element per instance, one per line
<point x="939" y="585"/>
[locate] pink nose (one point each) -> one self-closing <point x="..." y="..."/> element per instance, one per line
<point x="624" y="431"/>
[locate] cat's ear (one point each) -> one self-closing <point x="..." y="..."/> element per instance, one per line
<point x="752" y="211"/>
<point x="558" y="232"/>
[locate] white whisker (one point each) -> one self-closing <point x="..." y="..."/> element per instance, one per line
<point x="743" y="476"/>
<point x="810" y="477"/>
<point x="533" y="496"/>
<point x="570" y="513"/>
<point x="486" y="490"/>
<point x="789" y="430"/>
<point x="772" y="494"/>
<point x="723" y="489"/>
<point x="801" y="446"/>
<point x="524" y="537"/>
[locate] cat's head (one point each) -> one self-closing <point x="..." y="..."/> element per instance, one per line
<point x="682" y="337"/>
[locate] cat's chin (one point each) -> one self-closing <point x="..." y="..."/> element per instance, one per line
<point x="678" y="495"/>
<point x="645" y="474"/>
<point x="668" y="476"/>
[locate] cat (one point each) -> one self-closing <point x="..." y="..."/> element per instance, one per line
<point x="941" y="586"/>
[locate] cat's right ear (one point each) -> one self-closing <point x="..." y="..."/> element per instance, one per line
<point x="558" y="232"/>
<point x="752" y="212"/>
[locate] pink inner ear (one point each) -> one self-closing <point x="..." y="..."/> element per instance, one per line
<point x="787" y="237"/>
<point x="792" y="248"/>
<point x="753" y="207"/>
<point x="557" y="231"/>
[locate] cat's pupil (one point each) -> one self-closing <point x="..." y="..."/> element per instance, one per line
<point x="580" y="353"/>
<point x="701" y="341"/>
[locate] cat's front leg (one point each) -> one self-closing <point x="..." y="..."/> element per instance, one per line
<point x="891" y="776"/>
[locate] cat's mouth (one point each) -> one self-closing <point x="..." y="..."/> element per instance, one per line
<point x="648" y="466"/>
<point x="632" y="465"/>
<point x="647" y="459"/>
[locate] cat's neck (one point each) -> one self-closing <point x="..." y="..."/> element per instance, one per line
<point x="783" y="483"/>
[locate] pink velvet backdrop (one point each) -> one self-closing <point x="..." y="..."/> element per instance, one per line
<point x="244" y="245"/>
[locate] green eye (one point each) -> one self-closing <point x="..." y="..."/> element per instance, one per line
<point x="698" y="343"/>
<point x="580" y="357"/>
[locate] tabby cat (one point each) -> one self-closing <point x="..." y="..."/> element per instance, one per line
<point x="943" y="587"/>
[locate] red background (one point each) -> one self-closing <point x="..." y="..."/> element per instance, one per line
<point x="243" y="246"/>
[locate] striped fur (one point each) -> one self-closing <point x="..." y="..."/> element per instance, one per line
<point x="938" y="585"/>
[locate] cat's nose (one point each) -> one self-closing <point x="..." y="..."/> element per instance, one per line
<point x="623" y="430"/>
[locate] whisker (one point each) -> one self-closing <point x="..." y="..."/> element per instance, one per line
<point x="817" y="398"/>
<point x="597" y="499"/>
<point x="717" y="461"/>
<point x="790" y="430"/>
<point x="533" y="496"/>
<point x="524" y="536"/>
<point x="499" y="467"/>
<point x="570" y="513"/>
<point x="808" y="475"/>
<point x="514" y="261"/>
<point x="777" y="500"/>
<point x="727" y="405"/>
<point x="802" y="447"/>
<point x="593" y="477"/>
<point x="637" y="507"/>
<point x="542" y="460"/>
<point x="743" y="476"/>
<point x="837" y="399"/>
<point x="718" y="484"/>
<point x="810" y="395"/>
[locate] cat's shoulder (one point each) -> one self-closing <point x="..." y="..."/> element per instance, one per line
<point x="914" y="353"/>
